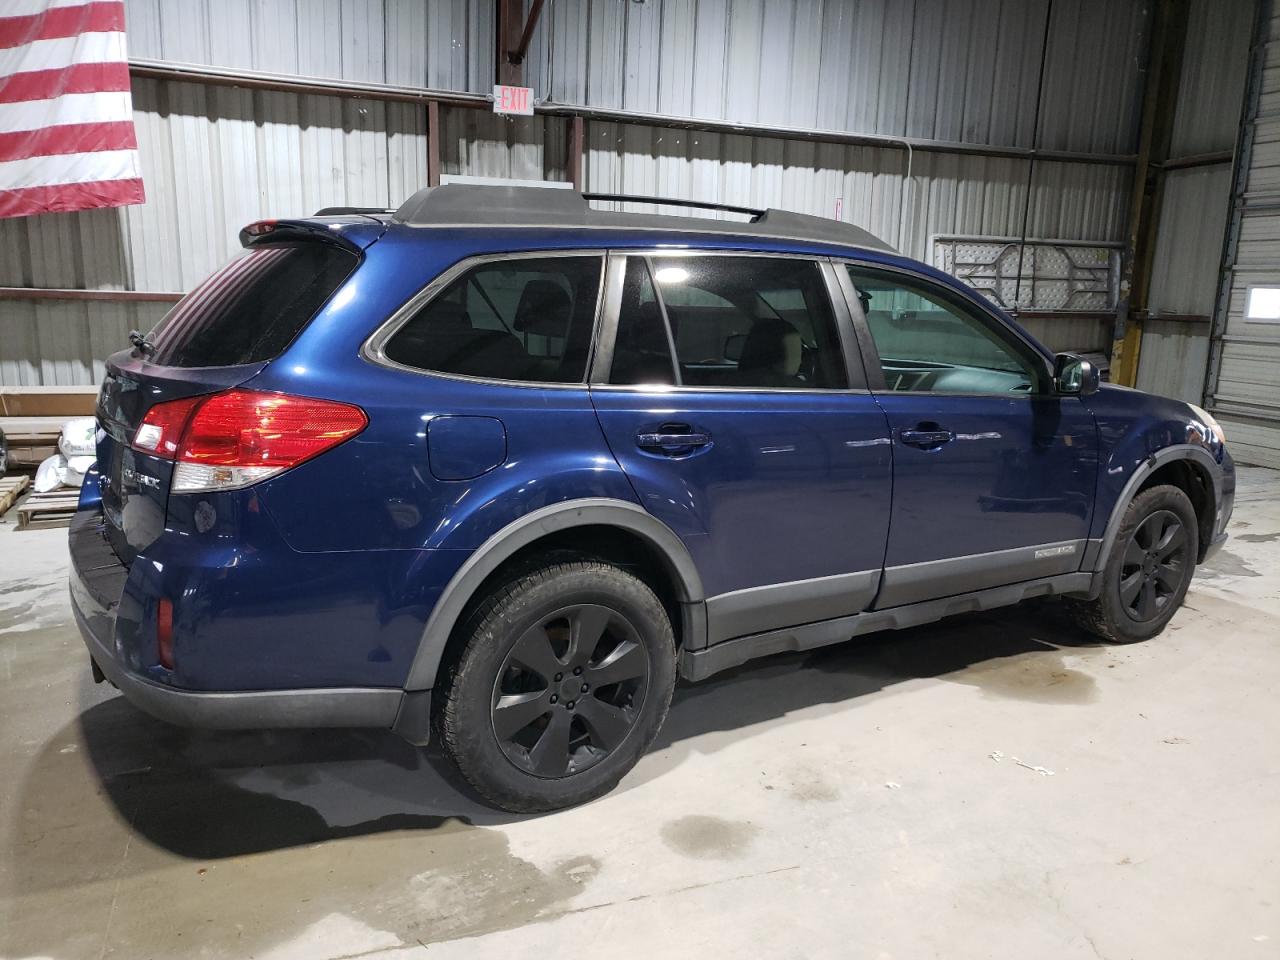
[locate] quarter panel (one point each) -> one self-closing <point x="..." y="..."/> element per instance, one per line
<point x="250" y="613"/>
<point x="377" y="491"/>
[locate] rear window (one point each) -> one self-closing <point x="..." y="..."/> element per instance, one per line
<point x="252" y="308"/>
<point x="527" y="319"/>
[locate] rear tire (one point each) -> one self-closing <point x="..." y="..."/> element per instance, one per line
<point x="564" y="680"/>
<point x="1148" y="570"/>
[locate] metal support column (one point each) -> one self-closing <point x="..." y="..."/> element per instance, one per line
<point x="509" y="24"/>
<point x="577" y="144"/>
<point x="433" y="143"/>
<point x="1164" y="73"/>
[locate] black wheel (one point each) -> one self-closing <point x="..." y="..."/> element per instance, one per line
<point x="1148" y="570"/>
<point x="565" y="677"/>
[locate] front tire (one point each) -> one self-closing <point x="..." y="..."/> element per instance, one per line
<point x="1148" y="570"/>
<point x="564" y="680"/>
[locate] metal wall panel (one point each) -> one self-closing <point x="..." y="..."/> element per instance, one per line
<point x="1094" y="74"/>
<point x="443" y="44"/>
<point x="216" y="157"/>
<point x="1193" y="220"/>
<point x="213" y="159"/>
<point x="1245" y="386"/>
<point x="947" y="193"/>
<point x="956" y="70"/>
<point x="961" y="70"/>
<point x="1173" y="358"/>
<point x="1196" y="201"/>
<point x="60" y="343"/>
<point x="482" y="144"/>
<point x="1214" y="64"/>
<point x="1086" y="334"/>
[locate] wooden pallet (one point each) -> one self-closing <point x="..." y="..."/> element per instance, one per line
<point x="52" y="509"/>
<point x="11" y="489"/>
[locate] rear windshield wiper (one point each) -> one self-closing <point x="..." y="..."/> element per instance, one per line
<point x="141" y="344"/>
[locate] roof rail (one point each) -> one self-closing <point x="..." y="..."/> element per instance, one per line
<point x="752" y="212"/>
<point x="476" y="205"/>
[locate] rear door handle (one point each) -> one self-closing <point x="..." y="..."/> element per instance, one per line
<point x="673" y="439"/>
<point x="925" y="438"/>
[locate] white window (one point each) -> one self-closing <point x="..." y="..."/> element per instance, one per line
<point x="1262" y="305"/>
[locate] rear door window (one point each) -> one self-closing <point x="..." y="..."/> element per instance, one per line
<point x="252" y="308"/>
<point x="756" y="322"/>
<point x="526" y="319"/>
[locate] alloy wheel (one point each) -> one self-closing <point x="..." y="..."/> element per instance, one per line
<point x="1153" y="565"/>
<point x="570" y="690"/>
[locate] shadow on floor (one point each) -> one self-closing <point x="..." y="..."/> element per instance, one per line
<point x="207" y="796"/>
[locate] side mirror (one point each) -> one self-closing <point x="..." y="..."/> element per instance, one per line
<point x="733" y="345"/>
<point x="1074" y="375"/>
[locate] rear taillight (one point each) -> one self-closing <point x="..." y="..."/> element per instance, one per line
<point x="161" y="429"/>
<point x="233" y="439"/>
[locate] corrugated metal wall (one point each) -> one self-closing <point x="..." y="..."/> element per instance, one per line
<point x="442" y="44"/>
<point x="959" y="70"/>
<point x="1195" y="201"/>
<point x="215" y="158"/>
<point x="1245" y="386"/>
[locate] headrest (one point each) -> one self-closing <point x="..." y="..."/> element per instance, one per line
<point x="763" y="347"/>
<point x="544" y="309"/>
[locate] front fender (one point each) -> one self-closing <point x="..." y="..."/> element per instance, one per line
<point x="1140" y="433"/>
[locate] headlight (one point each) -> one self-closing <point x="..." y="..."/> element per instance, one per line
<point x="1207" y="419"/>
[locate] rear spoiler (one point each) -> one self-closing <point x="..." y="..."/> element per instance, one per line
<point x="349" y="211"/>
<point x="278" y="231"/>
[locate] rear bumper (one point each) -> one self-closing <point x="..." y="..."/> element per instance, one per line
<point x="238" y="710"/>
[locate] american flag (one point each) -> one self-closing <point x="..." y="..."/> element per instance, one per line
<point x="66" y="115"/>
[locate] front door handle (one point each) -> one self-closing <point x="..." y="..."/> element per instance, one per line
<point x="925" y="439"/>
<point x="673" y="439"/>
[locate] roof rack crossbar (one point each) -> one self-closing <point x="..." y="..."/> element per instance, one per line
<point x="752" y="212"/>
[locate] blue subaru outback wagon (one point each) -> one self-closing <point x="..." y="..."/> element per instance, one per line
<point x="498" y="467"/>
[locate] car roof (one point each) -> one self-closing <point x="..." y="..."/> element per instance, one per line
<point x="468" y="205"/>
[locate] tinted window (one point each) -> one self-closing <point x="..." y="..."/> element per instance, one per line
<point x="252" y="308"/>
<point x="519" y="319"/>
<point x="733" y="321"/>
<point x="928" y="342"/>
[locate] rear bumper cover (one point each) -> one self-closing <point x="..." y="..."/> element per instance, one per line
<point x="239" y="710"/>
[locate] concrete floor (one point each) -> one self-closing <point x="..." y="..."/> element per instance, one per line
<point x="844" y="803"/>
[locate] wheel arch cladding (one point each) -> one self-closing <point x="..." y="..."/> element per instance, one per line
<point x="1178" y="462"/>
<point x="601" y="526"/>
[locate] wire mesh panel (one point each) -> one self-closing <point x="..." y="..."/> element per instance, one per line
<point x="1057" y="275"/>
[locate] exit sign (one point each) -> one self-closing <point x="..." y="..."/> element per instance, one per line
<point x="513" y="100"/>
